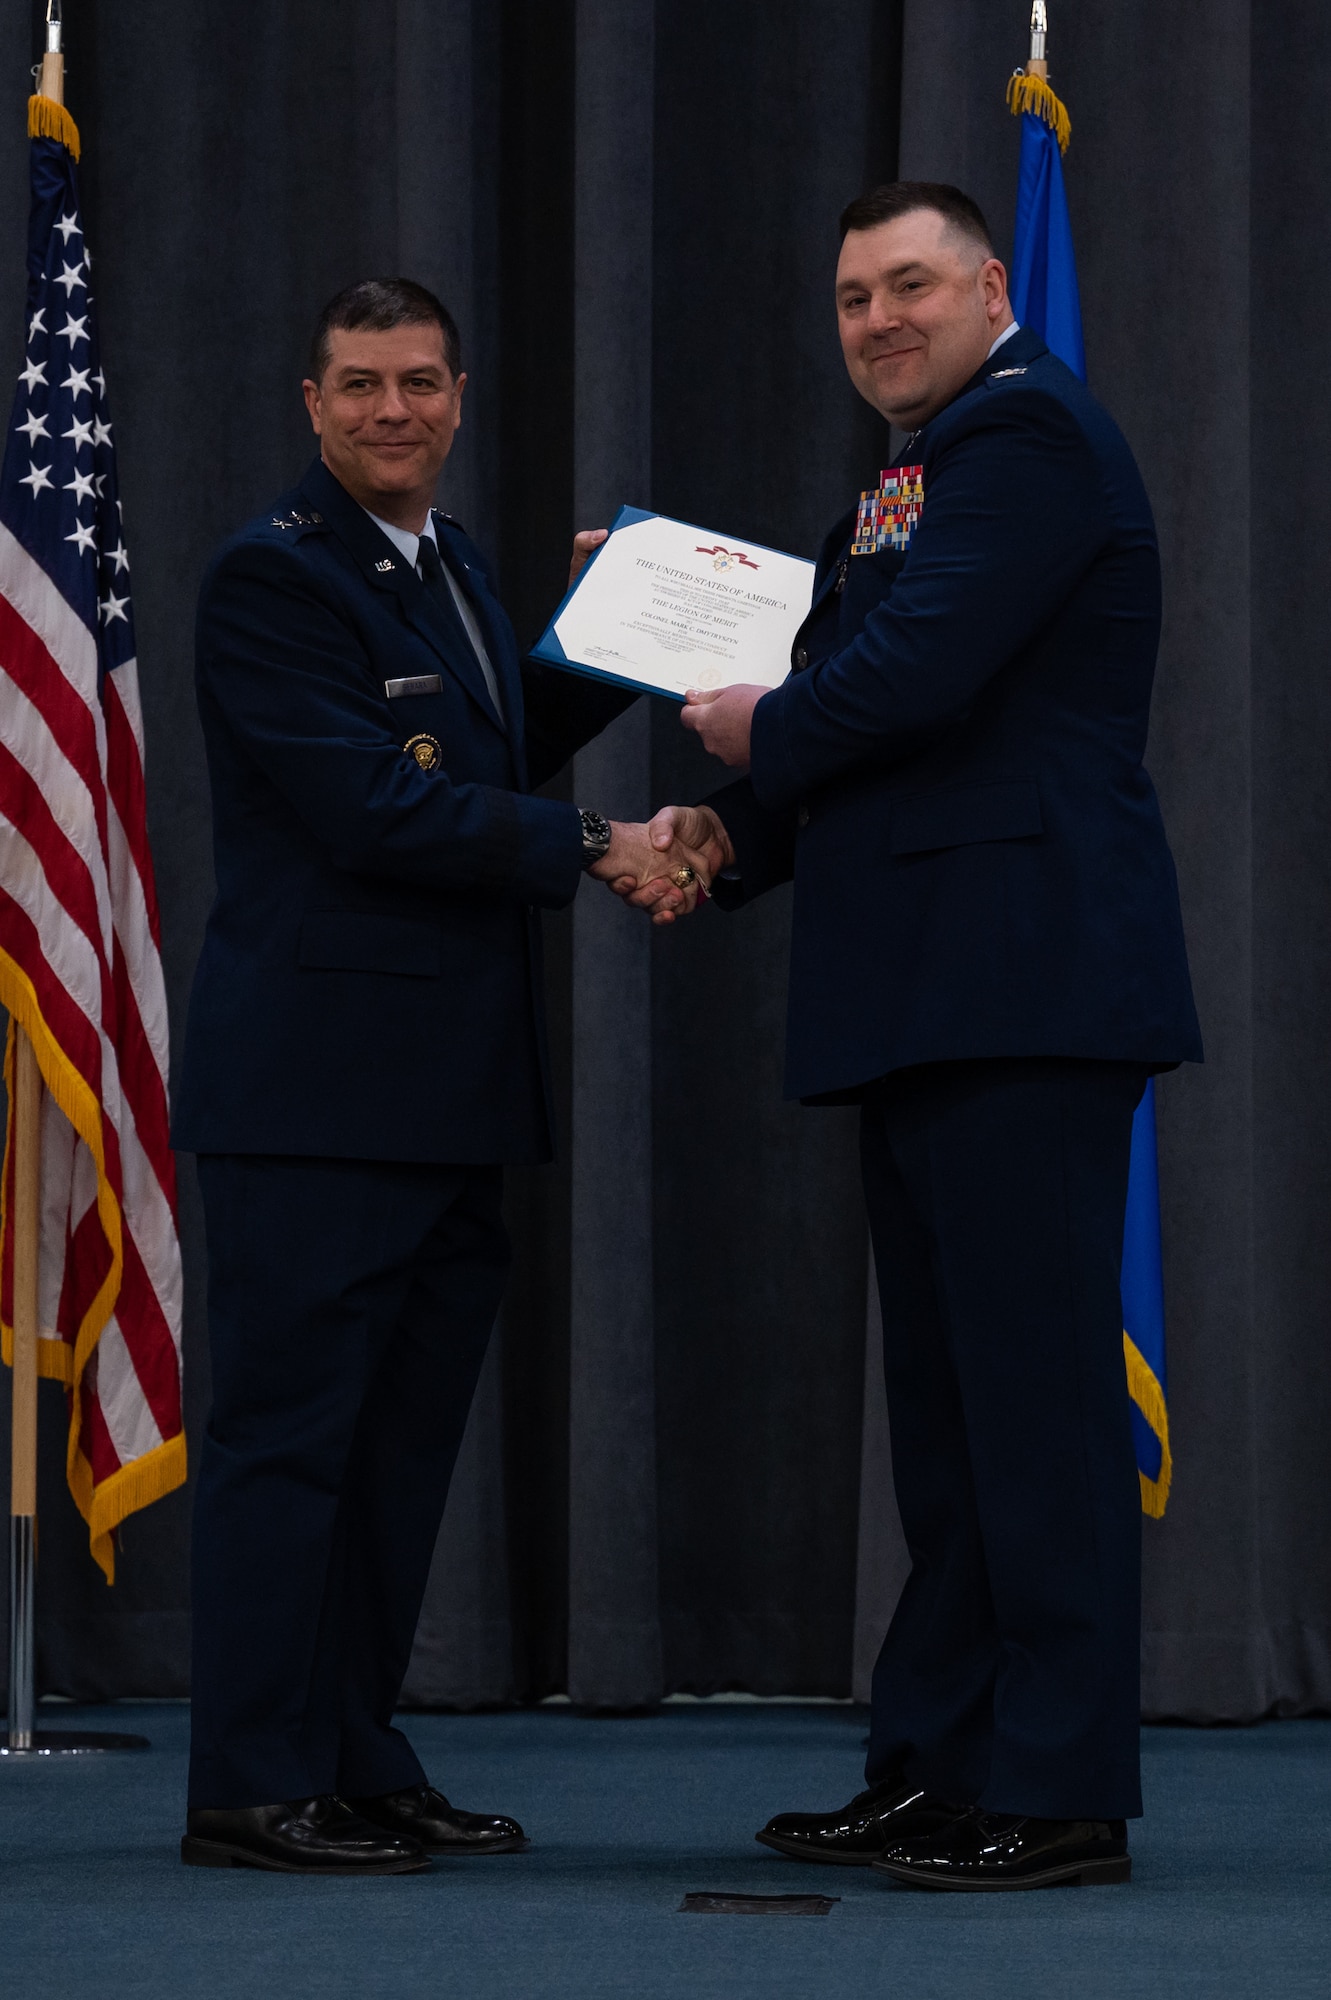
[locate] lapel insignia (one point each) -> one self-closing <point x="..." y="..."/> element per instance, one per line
<point x="888" y="516"/>
<point x="426" y="751"/>
<point x="384" y="564"/>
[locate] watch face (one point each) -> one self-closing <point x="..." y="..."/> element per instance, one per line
<point x="596" y="837"/>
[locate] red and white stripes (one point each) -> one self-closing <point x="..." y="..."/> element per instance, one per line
<point x="80" y="968"/>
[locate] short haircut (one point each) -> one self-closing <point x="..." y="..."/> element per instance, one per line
<point x="379" y="304"/>
<point x="885" y="204"/>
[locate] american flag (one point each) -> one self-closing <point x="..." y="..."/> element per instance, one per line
<point x="80" y="964"/>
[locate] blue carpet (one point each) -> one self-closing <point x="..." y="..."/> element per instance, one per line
<point x="1231" y="1894"/>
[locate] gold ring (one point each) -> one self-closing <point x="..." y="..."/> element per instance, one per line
<point x="684" y="877"/>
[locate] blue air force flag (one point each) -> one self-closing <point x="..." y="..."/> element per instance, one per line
<point x="1045" y="297"/>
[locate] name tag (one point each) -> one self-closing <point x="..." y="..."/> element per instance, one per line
<point x="414" y="684"/>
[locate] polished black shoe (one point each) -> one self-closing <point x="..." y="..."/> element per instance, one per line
<point x="982" y="1850"/>
<point x="424" y="1815"/>
<point x="852" y="1838"/>
<point x="299" y="1837"/>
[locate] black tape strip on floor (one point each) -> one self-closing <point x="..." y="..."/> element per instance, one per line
<point x="710" y="1905"/>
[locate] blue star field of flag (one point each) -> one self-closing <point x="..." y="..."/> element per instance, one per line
<point x="58" y="493"/>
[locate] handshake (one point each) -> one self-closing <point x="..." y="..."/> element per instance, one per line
<point x="663" y="866"/>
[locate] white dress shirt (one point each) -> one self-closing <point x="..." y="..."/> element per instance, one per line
<point x="1006" y="334"/>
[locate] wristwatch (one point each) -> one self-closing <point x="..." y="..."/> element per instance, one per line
<point x="596" y="837"/>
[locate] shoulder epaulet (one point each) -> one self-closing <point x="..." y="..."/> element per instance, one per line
<point x="448" y="520"/>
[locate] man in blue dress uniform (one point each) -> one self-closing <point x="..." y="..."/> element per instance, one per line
<point x="365" y="1050"/>
<point x="988" y="957"/>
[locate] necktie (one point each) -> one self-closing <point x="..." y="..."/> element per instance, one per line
<point x="435" y="581"/>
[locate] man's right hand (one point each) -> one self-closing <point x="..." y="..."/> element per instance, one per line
<point x="692" y="834"/>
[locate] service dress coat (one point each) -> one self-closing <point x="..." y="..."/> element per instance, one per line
<point x="370" y="980"/>
<point x="953" y="772"/>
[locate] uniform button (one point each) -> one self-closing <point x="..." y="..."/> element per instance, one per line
<point x="802" y="816"/>
<point x="799" y="659"/>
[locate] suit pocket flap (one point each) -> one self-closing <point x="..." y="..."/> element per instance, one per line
<point x="360" y="941"/>
<point x="966" y="814"/>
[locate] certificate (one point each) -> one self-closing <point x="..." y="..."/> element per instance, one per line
<point x="668" y="607"/>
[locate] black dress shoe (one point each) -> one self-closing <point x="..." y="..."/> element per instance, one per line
<point x="301" y="1837"/>
<point x="424" y="1815"/>
<point x="1002" y="1851"/>
<point x="874" y="1820"/>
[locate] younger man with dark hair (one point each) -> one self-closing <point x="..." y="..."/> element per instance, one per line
<point x="987" y="956"/>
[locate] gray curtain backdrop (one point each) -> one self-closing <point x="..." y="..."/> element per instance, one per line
<point x="677" y="1475"/>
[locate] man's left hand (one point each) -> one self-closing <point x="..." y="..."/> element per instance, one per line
<point x="585" y="544"/>
<point x="723" y="720"/>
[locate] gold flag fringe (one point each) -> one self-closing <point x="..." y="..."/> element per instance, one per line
<point x="1032" y="93"/>
<point x="159" y="1471"/>
<point x="49" y="120"/>
<point x="1145" y="1391"/>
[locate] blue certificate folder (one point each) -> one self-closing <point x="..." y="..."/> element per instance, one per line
<point x="548" y="648"/>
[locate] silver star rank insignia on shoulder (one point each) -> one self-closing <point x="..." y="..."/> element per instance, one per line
<point x="1001" y="374"/>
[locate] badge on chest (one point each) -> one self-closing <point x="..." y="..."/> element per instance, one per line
<point x="425" y="749"/>
<point x="888" y="516"/>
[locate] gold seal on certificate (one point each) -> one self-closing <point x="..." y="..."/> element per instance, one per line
<point x="668" y="607"/>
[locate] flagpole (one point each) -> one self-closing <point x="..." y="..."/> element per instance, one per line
<point x="1038" y="65"/>
<point x="27" y="1244"/>
<point x="51" y="82"/>
<point x="23" y="1740"/>
<point x="23" y="1430"/>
